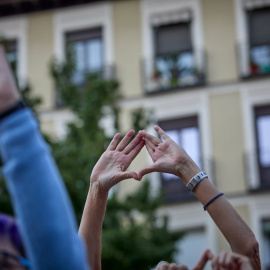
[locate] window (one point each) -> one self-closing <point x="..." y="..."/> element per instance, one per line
<point x="88" y="49"/>
<point x="185" y="132"/>
<point x="189" y="251"/>
<point x="12" y="54"/>
<point x="259" y="40"/>
<point x="266" y="244"/>
<point x="262" y="116"/>
<point x="174" y="64"/>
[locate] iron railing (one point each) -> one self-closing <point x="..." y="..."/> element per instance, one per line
<point x="254" y="61"/>
<point x="173" y="71"/>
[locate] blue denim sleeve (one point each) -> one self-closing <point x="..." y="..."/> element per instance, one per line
<point x="40" y="200"/>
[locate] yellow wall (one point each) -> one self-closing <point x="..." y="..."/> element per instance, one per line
<point x="40" y="51"/>
<point x="227" y="141"/>
<point x="127" y="44"/>
<point x="219" y="36"/>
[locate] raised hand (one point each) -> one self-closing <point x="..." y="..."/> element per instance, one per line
<point x="207" y="256"/>
<point x="170" y="266"/>
<point x="168" y="156"/>
<point x="233" y="261"/>
<point x="8" y="90"/>
<point x="111" y="167"/>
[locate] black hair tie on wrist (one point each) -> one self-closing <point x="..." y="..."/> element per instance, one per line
<point x="213" y="199"/>
<point x="16" y="107"/>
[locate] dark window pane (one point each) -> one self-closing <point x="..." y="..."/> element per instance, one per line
<point x="262" y="115"/>
<point x="185" y="132"/>
<point x="266" y="243"/>
<point x="259" y="22"/>
<point x="12" y="54"/>
<point x="94" y="52"/>
<point x="173" y="38"/>
<point x="83" y="35"/>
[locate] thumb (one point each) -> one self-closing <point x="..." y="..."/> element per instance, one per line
<point x="207" y="255"/>
<point x="146" y="170"/>
<point x="127" y="175"/>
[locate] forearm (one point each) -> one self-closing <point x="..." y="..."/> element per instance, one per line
<point x="39" y="197"/>
<point x="91" y="224"/>
<point x="232" y="226"/>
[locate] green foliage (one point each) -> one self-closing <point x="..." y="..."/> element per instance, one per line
<point x="133" y="236"/>
<point x="141" y="118"/>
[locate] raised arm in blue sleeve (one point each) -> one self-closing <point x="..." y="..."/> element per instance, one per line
<point x="40" y="200"/>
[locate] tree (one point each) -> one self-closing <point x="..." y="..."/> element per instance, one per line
<point x="133" y="236"/>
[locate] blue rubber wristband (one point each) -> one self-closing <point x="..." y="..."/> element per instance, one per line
<point x="208" y="203"/>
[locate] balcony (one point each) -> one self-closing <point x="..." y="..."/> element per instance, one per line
<point x="172" y="71"/>
<point x="104" y="73"/>
<point x="254" y="61"/>
<point x="80" y="77"/>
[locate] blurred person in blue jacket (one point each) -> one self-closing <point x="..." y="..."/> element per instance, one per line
<point x="39" y="198"/>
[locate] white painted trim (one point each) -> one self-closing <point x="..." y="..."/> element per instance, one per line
<point x="242" y="36"/>
<point x="150" y="8"/>
<point x="59" y="119"/>
<point x="17" y="28"/>
<point x="252" y="95"/>
<point x="82" y="17"/>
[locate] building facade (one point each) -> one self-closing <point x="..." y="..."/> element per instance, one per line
<point x="201" y="66"/>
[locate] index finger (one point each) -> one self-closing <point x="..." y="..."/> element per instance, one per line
<point x="161" y="132"/>
<point x="3" y="59"/>
<point x="151" y="138"/>
<point x="207" y="255"/>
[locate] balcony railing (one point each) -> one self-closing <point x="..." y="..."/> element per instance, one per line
<point x="105" y="73"/>
<point x="254" y="61"/>
<point x="172" y="71"/>
<point x="79" y="79"/>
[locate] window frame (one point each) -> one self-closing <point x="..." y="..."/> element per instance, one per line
<point x="85" y="35"/>
<point x="243" y="37"/>
<point x="262" y="110"/>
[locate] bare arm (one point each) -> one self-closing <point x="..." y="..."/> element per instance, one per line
<point x="109" y="170"/>
<point x="171" y="158"/>
<point x="39" y="198"/>
<point x="8" y="90"/>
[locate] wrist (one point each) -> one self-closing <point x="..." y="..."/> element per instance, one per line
<point x="12" y="109"/>
<point x="97" y="190"/>
<point x="187" y="169"/>
<point x="6" y="104"/>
